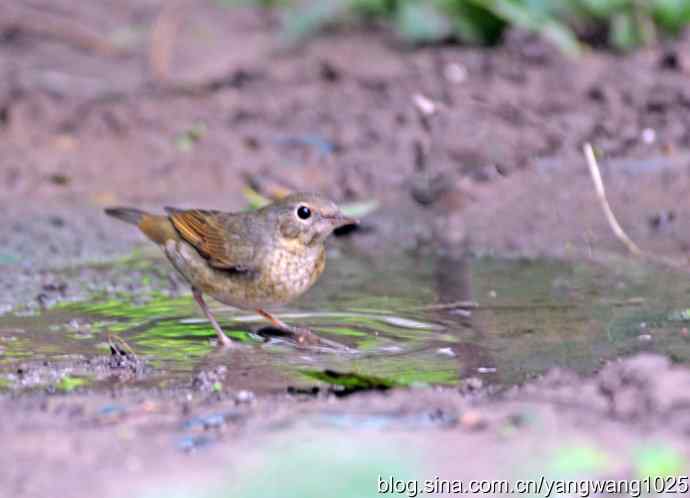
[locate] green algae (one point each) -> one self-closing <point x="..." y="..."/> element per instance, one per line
<point x="69" y="383"/>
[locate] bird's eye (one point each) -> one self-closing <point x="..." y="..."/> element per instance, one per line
<point x="303" y="212"/>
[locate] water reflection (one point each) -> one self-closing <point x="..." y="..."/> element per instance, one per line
<point x="452" y="277"/>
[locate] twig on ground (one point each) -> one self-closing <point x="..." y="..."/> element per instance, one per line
<point x="467" y="305"/>
<point x="473" y="305"/>
<point x="601" y="195"/>
<point x="58" y="28"/>
<point x="119" y="346"/>
<point x="620" y="234"/>
<point x="164" y="32"/>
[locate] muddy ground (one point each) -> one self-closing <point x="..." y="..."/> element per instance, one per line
<point x="500" y="172"/>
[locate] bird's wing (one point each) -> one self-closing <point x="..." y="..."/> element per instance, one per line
<point x="217" y="236"/>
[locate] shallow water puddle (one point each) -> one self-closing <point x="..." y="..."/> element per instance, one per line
<point x="391" y="313"/>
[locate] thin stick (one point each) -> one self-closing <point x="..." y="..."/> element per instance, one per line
<point x="613" y="222"/>
<point x="123" y="348"/>
<point x="472" y="305"/>
<point x="601" y="195"/>
<point x="164" y="33"/>
<point x="456" y="305"/>
<point x="59" y="28"/>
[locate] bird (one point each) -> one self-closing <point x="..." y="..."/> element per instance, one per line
<point x="249" y="260"/>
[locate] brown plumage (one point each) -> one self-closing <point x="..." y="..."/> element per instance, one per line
<point x="250" y="259"/>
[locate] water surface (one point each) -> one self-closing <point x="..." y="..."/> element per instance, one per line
<point x="392" y="313"/>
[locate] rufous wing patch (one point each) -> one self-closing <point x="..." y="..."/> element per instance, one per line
<point x="202" y="229"/>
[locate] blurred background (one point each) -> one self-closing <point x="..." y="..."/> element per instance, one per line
<point x="147" y="101"/>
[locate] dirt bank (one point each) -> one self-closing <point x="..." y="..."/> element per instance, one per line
<point x="625" y="423"/>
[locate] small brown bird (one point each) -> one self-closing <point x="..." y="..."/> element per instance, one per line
<point x="249" y="260"/>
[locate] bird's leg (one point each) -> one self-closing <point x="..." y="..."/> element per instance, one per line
<point x="302" y="334"/>
<point x="198" y="296"/>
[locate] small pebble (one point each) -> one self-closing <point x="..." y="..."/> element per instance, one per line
<point x="648" y="136"/>
<point x="461" y="312"/>
<point x="472" y="420"/>
<point x="425" y="105"/>
<point x="245" y="396"/>
<point x="455" y="73"/>
<point x="471" y="384"/>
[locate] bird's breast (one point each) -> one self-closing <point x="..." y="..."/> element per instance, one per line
<point x="286" y="275"/>
<point x="282" y="276"/>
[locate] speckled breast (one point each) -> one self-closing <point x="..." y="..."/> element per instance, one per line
<point x="287" y="276"/>
<point x="283" y="277"/>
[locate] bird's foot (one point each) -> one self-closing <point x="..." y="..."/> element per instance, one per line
<point x="304" y="336"/>
<point x="223" y="340"/>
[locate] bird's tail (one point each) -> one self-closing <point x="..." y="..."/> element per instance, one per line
<point x="156" y="227"/>
<point x="128" y="215"/>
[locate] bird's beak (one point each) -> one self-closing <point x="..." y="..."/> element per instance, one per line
<point x="340" y="220"/>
